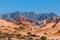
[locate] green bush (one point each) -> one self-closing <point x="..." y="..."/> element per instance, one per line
<point x="4" y="35"/>
<point x="33" y="35"/>
<point x="18" y="35"/>
<point x="43" y="38"/>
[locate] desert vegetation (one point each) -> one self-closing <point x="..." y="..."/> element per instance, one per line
<point x="29" y="36"/>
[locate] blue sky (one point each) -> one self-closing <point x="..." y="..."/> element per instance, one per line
<point x="42" y="6"/>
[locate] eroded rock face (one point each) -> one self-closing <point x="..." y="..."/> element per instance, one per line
<point x="20" y="19"/>
<point x="25" y="26"/>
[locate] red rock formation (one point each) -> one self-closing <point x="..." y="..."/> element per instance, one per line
<point x="20" y="19"/>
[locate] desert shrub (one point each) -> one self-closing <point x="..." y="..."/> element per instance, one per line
<point x="22" y="37"/>
<point x="18" y="29"/>
<point x="34" y="28"/>
<point x="18" y="35"/>
<point x="45" y="33"/>
<point x="9" y="38"/>
<point x="43" y="38"/>
<point x="10" y="35"/>
<point x="2" y="26"/>
<point x="58" y="31"/>
<point x="15" y="31"/>
<point x="4" y="35"/>
<point x="30" y="28"/>
<point x="29" y="34"/>
<point x="30" y="38"/>
<point x="21" y="28"/>
<point x="6" y="29"/>
<point x="0" y="32"/>
<point x="33" y="35"/>
<point x="36" y="39"/>
<point x="15" y="28"/>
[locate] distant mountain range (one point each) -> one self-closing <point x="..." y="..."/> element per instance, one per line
<point x="29" y="15"/>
